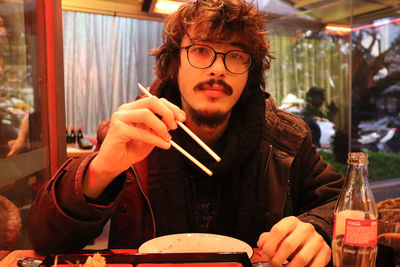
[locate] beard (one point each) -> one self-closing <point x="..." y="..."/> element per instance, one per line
<point x="207" y="118"/>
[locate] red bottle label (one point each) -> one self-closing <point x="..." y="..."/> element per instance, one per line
<point x="360" y="233"/>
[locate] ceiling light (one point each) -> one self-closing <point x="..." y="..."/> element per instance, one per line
<point x="166" y="6"/>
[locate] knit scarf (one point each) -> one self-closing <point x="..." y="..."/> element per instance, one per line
<point x="235" y="176"/>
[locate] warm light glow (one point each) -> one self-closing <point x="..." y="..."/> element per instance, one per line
<point x="376" y="24"/>
<point x="345" y="29"/>
<point x="338" y="28"/>
<point x="166" y="6"/>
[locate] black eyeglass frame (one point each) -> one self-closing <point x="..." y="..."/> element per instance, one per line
<point x="215" y="57"/>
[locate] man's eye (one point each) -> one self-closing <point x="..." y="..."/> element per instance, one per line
<point x="201" y="50"/>
<point x="237" y="56"/>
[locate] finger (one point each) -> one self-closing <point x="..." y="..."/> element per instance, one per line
<point x="140" y="103"/>
<point x="262" y="239"/>
<point x="278" y="232"/>
<point x="323" y="258"/>
<point x="169" y="118"/>
<point x="156" y="106"/>
<point x="138" y="134"/>
<point x="294" y="242"/>
<point x="143" y="117"/>
<point x="287" y="247"/>
<point x="179" y="113"/>
<point x="11" y="142"/>
<point x="315" y="252"/>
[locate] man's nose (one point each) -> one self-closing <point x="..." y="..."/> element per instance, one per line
<point x="218" y="67"/>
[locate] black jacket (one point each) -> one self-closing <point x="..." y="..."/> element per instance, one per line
<point x="293" y="180"/>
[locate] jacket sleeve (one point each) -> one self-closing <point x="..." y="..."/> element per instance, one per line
<point x="315" y="189"/>
<point x="61" y="218"/>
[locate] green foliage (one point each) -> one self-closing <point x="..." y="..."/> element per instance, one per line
<point x="381" y="166"/>
<point x="328" y="158"/>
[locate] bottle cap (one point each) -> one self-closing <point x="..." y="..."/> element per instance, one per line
<point x="357" y="158"/>
<point x="72" y="128"/>
<point x="80" y="128"/>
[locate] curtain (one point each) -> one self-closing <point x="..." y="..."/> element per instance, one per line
<point x="104" y="59"/>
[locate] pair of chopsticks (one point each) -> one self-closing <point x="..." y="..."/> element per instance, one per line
<point x="197" y="139"/>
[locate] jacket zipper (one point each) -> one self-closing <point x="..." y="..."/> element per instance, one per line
<point x="268" y="158"/>
<point x="147" y="200"/>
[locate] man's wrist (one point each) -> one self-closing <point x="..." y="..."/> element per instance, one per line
<point x="96" y="179"/>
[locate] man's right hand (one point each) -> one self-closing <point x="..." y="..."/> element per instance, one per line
<point x="135" y="129"/>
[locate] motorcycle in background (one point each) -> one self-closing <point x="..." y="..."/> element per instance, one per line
<point x="385" y="142"/>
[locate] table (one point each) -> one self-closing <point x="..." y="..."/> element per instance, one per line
<point x="11" y="259"/>
<point x="74" y="151"/>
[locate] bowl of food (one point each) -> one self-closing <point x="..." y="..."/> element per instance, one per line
<point x="195" y="243"/>
<point x="388" y="233"/>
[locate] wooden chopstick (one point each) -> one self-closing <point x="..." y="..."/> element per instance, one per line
<point x="179" y="148"/>
<point x="188" y="131"/>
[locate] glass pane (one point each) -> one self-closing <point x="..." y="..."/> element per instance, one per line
<point x="338" y="66"/>
<point x="23" y="150"/>
<point x="310" y="75"/>
<point x="376" y="96"/>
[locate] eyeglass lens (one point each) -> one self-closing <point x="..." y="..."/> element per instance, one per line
<point x="201" y="56"/>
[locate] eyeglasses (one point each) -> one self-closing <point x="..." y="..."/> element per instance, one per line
<point x="203" y="56"/>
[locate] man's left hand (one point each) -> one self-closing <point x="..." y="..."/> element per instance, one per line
<point x="293" y="239"/>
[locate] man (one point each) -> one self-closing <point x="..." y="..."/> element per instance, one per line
<point x="210" y="71"/>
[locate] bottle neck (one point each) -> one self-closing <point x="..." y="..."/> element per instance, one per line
<point x="357" y="195"/>
<point x="357" y="175"/>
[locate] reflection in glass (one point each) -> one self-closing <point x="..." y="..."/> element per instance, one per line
<point x="22" y="150"/>
<point x="376" y="85"/>
<point x="310" y="77"/>
<point x="16" y="94"/>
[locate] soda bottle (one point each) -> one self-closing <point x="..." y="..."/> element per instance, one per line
<point x="354" y="240"/>
<point x="80" y="135"/>
<point x="73" y="135"/>
<point x="67" y="135"/>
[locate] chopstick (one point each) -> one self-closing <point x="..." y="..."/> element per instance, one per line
<point x="193" y="159"/>
<point x="180" y="149"/>
<point x="188" y="131"/>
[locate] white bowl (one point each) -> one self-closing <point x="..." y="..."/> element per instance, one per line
<point x="195" y="243"/>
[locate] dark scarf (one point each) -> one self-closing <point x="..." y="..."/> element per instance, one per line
<point x="235" y="176"/>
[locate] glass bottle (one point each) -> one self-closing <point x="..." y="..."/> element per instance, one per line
<point x="80" y="134"/>
<point x="73" y="135"/>
<point x="68" y="137"/>
<point x="354" y="240"/>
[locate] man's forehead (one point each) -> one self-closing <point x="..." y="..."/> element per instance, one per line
<point x="192" y="38"/>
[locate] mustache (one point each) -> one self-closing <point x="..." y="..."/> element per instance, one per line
<point x="211" y="82"/>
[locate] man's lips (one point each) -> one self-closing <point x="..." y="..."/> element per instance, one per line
<point x="214" y="89"/>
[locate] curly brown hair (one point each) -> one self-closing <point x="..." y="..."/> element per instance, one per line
<point x="216" y="21"/>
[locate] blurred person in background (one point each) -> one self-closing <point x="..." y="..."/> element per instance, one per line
<point x="14" y="110"/>
<point x="271" y="189"/>
<point x="7" y="130"/>
<point x="315" y="98"/>
<point x="19" y="144"/>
